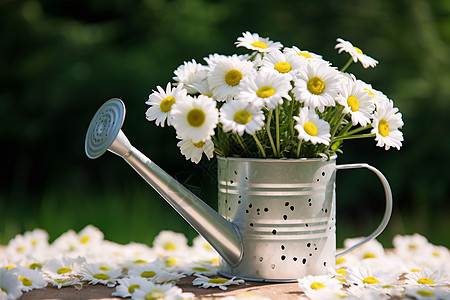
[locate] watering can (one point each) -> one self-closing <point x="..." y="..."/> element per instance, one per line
<point x="276" y="219"/>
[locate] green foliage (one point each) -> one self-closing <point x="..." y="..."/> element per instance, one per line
<point x="61" y="60"/>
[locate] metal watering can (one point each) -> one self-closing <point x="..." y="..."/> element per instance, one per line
<point x="276" y="220"/>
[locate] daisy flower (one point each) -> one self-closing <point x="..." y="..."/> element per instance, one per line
<point x="428" y="276"/>
<point x="147" y="271"/>
<point x="371" y="249"/>
<point x="198" y="268"/>
<point x="311" y="128"/>
<point x="30" y="279"/>
<point x="63" y="266"/>
<point x="265" y="88"/>
<point x="38" y="240"/>
<point x="195" y="119"/>
<point x="194" y="151"/>
<point x="221" y="283"/>
<point x="253" y="41"/>
<point x="90" y="236"/>
<point x="239" y="116"/>
<point x="10" y="284"/>
<point x="310" y="285"/>
<point x="304" y="55"/>
<point x="161" y="103"/>
<point x="67" y="242"/>
<point x="168" y="241"/>
<point x="97" y="274"/>
<point x="126" y="286"/>
<point x="159" y="291"/>
<point x="212" y="59"/>
<point x="386" y="123"/>
<point x="64" y="282"/>
<point x="378" y="97"/>
<point x="355" y="292"/>
<point x="427" y="293"/>
<point x="190" y="72"/>
<point x="367" y="276"/>
<point x="356" y="101"/>
<point x="410" y="245"/>
<point x="203" y="250"/>
<point x="281" y="63"/>
<point x="356" y="53"/>
<point x="226" y="76"/>
<point x="317" y="85"/>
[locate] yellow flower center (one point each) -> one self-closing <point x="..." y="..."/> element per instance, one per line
<point x="139" y="261"/>
<point x="311" y="128"/>
<point x="218" y="280"/>
<point x="265" y="91"/>
<point x="61" y="280"/>
<point x="170" y="246"/>
<point x="425" y="281"/>
<point x="166" y="104"/>
<point x="148" y="274"/>
<point x="358" y="50"/>
<point x="103" y="268"/>
<point x="370" y="280"/>
<point x="198" y="145"/>
<point x="20" y="249"/>
<point x="437" y="254"/>
<point x="425" y="293"/>
<point x="242" y="117"/>
<point x="383" y="129"/>
<point x="200" y="269"/>
<point x="341" y="271"/>
<point x="304" y="54"/>
<point x="412" y="246"/>
<point x="233" y="77"/>
<point x="25" y="281"/>
<point x="353" y="102"/>
<point x="369" y="255"/>
<point x="101" y="276"/>
<point x="84" y="239"/>
<point x="63" y="270"/>
<point x="258" y="44"/>
<point x="207" y="246"/>
<point x="316" y="85"/>
<point x="317" y="285"/>
<point x="196" y="117"/>
<point x="155" y="294"/>
<point x="132" y="287"/>
<point x="8" y="267"/>
<point x="340" y="260"/>
<point x="415" y="270"/>
<point x="35" y="265"/>
<point x="283" y="67"/>
<point x="170" y="262"/>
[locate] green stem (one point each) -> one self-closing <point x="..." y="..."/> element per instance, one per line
<point x="258" y="143"/>
<point x="349" y="62"/>
<point x="298" y="147"/>
<point x="277" y="128"/>
<point x="239" y="140"/>
<point x="336" y="126"/>
<point x="269" y="117"/>
<point x="359" y="136"/>
<point x="291" y="119"/>
<point x="359" y="129"/>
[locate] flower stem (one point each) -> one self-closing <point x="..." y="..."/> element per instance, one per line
<point x="291" y="119"/>
<point x="358" y="129"/>
<point x="277" y="128"/>
<point x="239" y="140"/>
<point x="336" y="126"/>
<point x="269" y="117"/>
<point x="258" y="143"/>
<point x="359" y="136"/>
<point x="349" y="62"/>
<point x="298" y="147"/>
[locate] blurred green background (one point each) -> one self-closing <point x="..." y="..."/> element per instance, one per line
<point x="60" y="60"/>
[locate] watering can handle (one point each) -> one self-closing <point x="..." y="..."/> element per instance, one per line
<point x="387" y="211"/>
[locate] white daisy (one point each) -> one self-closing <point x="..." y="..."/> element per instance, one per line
<point x="356" y="292"/>
<point x="257" y="43"/>
<point x="281" y="63"/>
<point x="427" y="293"/>
<point x="355" y="53"/>
<point x="311" y="128"/>
<point x="428" y="277"/>
<point x="167" y="242"/>
<point x="68" y="242"/>
<point x="410" y="245"/>
<point x="38" y="239"/>
<point x="201" y="268"/>
<point x="147" y="271"/>
<point x="240" y="116"/>
<point x="90" y="236"/>
<point x="10" y="284"/>
<point x="310" y="285"/>
<point x="367" y="276"/>
<point x="30" y="279"/>
<point x="167" y="277"/>
<point x="126" y="286"/>
<point x="64" y="282"/>
<point x="386" y="123"/>
<point x="371" y="249"/>
<point x="221" y="283"/>
<point x="194" y="151"/>
<point x="212" y="59"/>
<point x="265" y="88"/>
<point x="317" y="85"/>
<point x="195" y="119"/>
<point x="378" y="97"/>
<point x="190" y="72"/>
<point x="226" y="76"/>
<point x="63" y="266"/>
<point x="161" y="103"/>
<point x="302" y="54"/>
<point x="356" y="101"/>
<point x="159" y="291"/>
<point x="203" y="249"/>
<point x="97" y="274"/>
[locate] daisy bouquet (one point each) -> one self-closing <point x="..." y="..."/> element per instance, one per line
<point x="273" y="102"/>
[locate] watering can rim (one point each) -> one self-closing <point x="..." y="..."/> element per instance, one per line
<point x="280" y="160"/>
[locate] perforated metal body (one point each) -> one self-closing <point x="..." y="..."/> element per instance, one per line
<point x="285" y="213"/>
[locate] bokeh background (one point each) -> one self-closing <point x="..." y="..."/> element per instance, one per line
<point x="60" y="60"/>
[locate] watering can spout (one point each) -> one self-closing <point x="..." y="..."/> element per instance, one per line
<point x="104" y="133"/>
